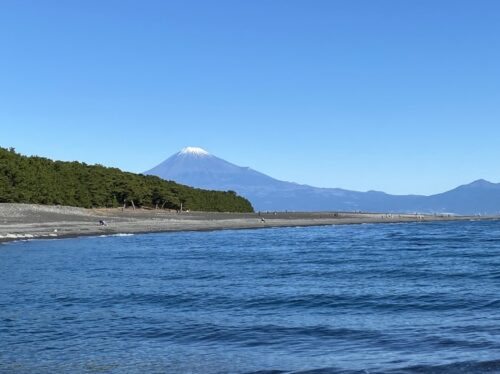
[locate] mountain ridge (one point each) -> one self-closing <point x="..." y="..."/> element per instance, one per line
<point x="196" y="167"/>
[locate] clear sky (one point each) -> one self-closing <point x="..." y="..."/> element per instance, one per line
<point x="401" y="96"/>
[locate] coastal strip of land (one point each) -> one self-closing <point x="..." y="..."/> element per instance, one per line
<point x="28" y="221"/>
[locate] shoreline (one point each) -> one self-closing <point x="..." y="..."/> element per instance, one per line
<point x="20" y="222"/>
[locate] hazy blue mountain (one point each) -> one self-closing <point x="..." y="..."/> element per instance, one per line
<point x="196" y="167"/>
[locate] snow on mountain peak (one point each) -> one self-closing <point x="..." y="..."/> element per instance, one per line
<point x="196" y="151"/>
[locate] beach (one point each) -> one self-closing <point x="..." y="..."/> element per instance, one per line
<point x="29" y="221"/>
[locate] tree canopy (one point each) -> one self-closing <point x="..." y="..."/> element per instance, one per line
<point x="39" y="180"/>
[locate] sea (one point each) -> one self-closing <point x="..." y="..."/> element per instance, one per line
<point x="367" y="298"/>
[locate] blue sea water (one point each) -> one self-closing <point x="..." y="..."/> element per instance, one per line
<point x="384" y="298"/>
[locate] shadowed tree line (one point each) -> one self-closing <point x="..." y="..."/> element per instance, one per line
<point x="38" y="180"/>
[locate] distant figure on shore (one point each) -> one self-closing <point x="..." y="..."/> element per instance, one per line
<point x="262" y="219"/>
<point x="102" y="222"/>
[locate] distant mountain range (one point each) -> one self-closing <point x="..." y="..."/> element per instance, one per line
<point x="196" y="167"/>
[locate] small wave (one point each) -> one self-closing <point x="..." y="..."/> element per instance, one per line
<point x="116" y="235"/>
<point x="469" y="367"/>
<point x="464" y="367"/>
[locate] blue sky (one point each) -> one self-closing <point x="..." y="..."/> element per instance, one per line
<point x="400" y="96"/>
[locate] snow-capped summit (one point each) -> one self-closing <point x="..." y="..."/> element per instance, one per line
<point x="195" y="151"/>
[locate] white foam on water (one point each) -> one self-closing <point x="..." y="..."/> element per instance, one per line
<point x="17" y="236"/>
<point x="119" y="234"/>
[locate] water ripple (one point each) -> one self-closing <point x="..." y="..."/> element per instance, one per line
<point x="400" y="299"/>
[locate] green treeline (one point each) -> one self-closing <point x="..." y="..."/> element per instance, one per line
<point x="38" y="180"/>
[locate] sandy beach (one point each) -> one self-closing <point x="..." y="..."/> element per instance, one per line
<point x="26" y="221"/>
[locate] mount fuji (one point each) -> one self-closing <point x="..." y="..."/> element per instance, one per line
<point x="196" y="167"/>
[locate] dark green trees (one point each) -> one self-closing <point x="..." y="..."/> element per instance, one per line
<point x="39" y="180"/>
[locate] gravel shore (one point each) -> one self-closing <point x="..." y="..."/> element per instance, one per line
<point x="28" y="221"/>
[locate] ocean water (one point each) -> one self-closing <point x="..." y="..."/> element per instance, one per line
<point x="384" y="298"/>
